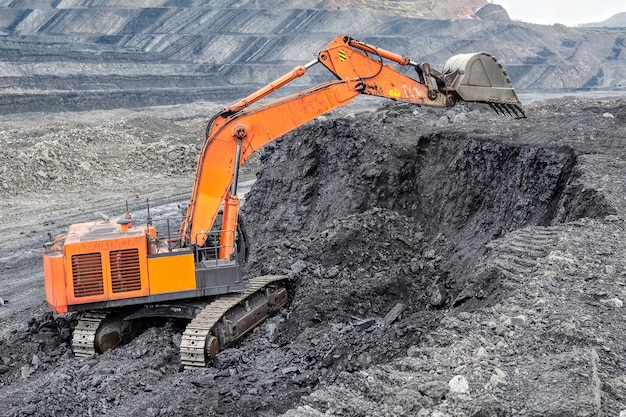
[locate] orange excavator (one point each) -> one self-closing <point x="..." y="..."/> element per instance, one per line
<point x="117" y="274"/>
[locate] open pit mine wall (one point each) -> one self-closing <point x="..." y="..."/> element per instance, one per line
<point x="94" y="54"/>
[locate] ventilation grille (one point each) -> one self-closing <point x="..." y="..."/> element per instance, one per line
<point x="87" y="274"/>
<point x="125" y="271"/>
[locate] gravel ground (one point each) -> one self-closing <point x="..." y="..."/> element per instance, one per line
<point x="443" y="263"/>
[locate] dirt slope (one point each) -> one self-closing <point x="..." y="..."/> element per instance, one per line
<point x="443" y="263"/>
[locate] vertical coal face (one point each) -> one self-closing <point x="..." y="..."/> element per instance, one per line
<point x="479" y="189"/>
<point x="473" y="187"/>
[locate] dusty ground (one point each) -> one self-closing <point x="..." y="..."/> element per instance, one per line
<point x="443" y="264"/>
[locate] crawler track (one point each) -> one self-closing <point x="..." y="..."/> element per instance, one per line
<point x="85" y="333"/>
<point x="198" y="345"/>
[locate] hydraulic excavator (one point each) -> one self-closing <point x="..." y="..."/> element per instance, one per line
<point x="117" y="273"/>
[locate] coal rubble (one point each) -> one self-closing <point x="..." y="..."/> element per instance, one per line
<point x="442" y="263"/>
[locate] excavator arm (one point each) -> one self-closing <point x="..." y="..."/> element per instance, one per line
<point x="240" y="130"/>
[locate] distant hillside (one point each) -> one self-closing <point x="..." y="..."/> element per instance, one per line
<point x="617" y="21"/>
<point x="426" y="9"/>
<point x="80" y="54"/>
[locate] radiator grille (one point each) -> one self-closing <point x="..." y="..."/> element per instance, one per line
<point x="87" y="274"/>
<point x="125" y="271"/>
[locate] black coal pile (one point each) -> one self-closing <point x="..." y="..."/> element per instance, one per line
<point x="442" y="264"/>
<point x="407" y="233"/>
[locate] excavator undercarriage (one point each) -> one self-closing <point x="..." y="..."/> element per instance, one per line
<point x="117" y="274"/>
<point x="213" y="325"/>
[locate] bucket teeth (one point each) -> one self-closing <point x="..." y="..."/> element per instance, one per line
<point x="505" y="109"/>
<point x="494" y="107"/>
<point x="515" y="110"/>
<point x="519" y="111"/>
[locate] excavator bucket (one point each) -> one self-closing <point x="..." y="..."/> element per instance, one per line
<point x="479" y="77"/>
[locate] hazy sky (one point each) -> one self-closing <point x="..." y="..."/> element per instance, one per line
<point x="567" y="12"/>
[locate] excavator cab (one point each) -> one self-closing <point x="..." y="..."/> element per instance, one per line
<point x="480" y="78"/>
<point x="210" y="249"/>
